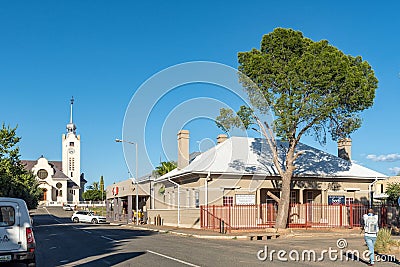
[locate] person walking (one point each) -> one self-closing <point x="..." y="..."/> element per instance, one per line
<point x="371" y="228"/>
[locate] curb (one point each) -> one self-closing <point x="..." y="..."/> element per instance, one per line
<point x="237" y="237"/>
<point x="188" y="235"/>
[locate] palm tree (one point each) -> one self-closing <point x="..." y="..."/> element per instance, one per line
<point x="165" y="167"/>
<point x="94" y="186"/>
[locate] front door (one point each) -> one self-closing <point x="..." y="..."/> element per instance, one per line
<point x="271" y="207"/>
<point x="44" y="197"/>
<point x="309" y="201"/>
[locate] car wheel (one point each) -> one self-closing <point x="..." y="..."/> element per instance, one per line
<point x="94" y="221"/>
<point x="75" y="220"/>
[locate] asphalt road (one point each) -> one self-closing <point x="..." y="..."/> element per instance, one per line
<point x="63" y="243"/>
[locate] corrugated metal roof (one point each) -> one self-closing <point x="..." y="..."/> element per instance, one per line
<point x="252" y="156"/>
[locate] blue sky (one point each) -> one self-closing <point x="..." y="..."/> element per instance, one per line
<point x="101" y="52"/>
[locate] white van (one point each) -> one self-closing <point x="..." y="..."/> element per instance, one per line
<point x="17" y="243"/>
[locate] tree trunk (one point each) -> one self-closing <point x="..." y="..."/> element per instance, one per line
<point x="283" y="206"/>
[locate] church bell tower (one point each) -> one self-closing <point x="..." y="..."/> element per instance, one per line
<point x="71" y="151"/>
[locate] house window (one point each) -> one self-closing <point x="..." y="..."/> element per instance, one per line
<point x="293" y="197"/>
<point x="349" y="200"/>
<point x="382" y="189"/>
<point x="188" y="198"/>
<point x="197" y="198"/>
<point x="71" y="143"/>
<point x="58" y="193"/>
<point x="310" y="197"/>
<point x="227" y="201"/>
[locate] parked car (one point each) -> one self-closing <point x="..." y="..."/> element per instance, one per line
<point x="87" y="216"/>
<point x="67" y="207"/>
<point x="16" y="232"/>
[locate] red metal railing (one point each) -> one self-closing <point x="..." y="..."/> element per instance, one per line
<point x="212" y="222"/>
<point x="300" y="215"/>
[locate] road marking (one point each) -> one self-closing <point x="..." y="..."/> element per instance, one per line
<point x="53" y="248"/>
<point x="174" y="259"/>
<point x="51" y="214"/>
<point x="109" y="238"/>
<point x="87" y="231"/>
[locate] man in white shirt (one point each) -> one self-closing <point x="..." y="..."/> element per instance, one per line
<point x="371" y="228"/>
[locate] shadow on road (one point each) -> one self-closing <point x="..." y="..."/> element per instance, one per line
<point x="61" y="242"/>
<point x="110" y="259"/>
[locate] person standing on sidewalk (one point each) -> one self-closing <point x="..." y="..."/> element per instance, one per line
<point x="371" y="228"/>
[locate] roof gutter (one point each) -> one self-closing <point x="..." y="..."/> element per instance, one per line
<point x="206" y="188"/>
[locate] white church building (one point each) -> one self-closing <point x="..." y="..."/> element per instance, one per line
<point x="61" y="181"/>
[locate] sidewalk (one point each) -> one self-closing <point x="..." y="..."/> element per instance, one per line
<point x="254" y="234"/>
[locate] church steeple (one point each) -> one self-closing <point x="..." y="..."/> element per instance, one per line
<point x="71" y="127"/>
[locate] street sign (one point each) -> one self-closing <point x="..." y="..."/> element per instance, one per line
<point x="336" y="200"/>
<point x="245" y="199"/>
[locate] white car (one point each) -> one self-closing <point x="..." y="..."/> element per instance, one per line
<point x="17" y="242"/>
<point x="87" y="216"/>
<point x="67" y="207"/>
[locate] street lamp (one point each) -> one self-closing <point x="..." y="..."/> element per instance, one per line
<point x="136" y="178"/>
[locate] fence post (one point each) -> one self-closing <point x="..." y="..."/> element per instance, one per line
<point x="341" y="215"/>
<point x="213" y="217"/>
<point x="201" y="217"/>
<point x="229" y="215"/>
<point x="351" y="215"/>
<point x="306" y="217"/>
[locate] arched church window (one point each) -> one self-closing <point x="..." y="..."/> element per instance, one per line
<point x="42" y="174"/>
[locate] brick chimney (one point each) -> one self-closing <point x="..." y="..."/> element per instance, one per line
<point x="221" y="138"/>
<point x="183" y="149"/>
<point x="344" y="148"/>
